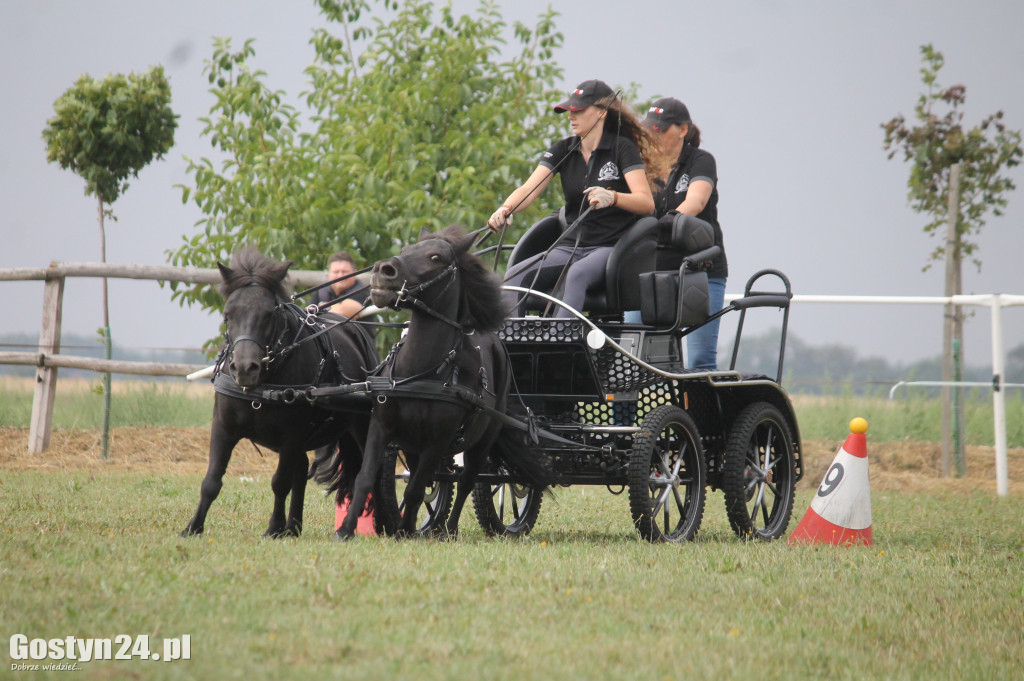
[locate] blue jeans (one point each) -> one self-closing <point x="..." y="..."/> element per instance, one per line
<point x="702" y="344"/>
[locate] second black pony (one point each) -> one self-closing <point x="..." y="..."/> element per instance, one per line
<point x="445" y="385"/>
<point x="273" y="353"/>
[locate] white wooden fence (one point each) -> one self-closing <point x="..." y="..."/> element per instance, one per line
<point x="48" y="359"/>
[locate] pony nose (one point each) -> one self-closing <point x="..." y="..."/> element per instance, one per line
<point x="387" y="269"/>
<point x="245" y="372"/>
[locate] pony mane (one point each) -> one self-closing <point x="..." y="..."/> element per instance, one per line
<point x="249" y="266"/>
<point x="481" y="288"/>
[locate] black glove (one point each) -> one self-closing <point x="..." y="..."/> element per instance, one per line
<point x="665" y="227"/>
<point x="667" y="219"/>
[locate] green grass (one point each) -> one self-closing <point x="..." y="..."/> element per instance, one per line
<point x="913" y="418"/>
<point x="939" y="595"/>
<point x="79" y="404"/>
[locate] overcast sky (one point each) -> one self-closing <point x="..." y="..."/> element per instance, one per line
<point x="789" y="97"/>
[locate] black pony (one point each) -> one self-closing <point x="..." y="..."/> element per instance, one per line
<point x="271" y="356"/>
<point x="442" y="386"/>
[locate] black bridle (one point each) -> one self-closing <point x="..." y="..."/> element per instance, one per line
<point x="409" y="296"/>
<point x="280" y="348"/>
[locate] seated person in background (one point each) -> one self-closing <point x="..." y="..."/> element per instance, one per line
<point x="354" y="292"/>
<point x="689" y="186"/>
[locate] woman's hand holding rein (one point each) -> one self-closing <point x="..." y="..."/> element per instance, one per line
<point x="599" y="197"/>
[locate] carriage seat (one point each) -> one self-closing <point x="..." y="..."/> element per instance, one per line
<point x="635" y="252"/>
<point x="676" y="294"/>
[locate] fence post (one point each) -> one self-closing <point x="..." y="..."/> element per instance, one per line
<point x="999" y="396"/>
<point x="46" y="377"/>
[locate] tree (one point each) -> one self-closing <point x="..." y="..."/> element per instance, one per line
<point x="957" y="178"/>
<point x="409" y="122"/>
<point x="939" y="142"/>
<point x="107" y="131"/>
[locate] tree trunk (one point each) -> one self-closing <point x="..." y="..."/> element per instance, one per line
<point x="105" y="432"/>
<point x="952" y="327"/>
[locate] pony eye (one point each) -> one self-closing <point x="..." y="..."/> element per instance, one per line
<point x="435" y="258"/>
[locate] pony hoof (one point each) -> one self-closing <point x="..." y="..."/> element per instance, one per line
<point x="341" y="535"/>
<point x="190" y="532"/>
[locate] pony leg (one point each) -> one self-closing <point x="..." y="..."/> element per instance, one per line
<point x="472" y="462"/>
<point x="300" y="474"/>
<point x="373" y="454"/>
<point x="281" y="484"/>
<point x="415" y="491"/>
<point x="222" y="443"/>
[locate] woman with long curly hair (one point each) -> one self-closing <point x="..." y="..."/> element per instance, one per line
<point x="606" y="163"/>
<point x="690" y="187"/>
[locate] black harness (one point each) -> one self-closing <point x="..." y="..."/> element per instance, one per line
<point x="441" y="383"/>
<point x="292" y="327"/>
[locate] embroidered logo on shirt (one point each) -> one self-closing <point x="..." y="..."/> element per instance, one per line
<point x="682" y="184"/>
<point x="609" y="171"/>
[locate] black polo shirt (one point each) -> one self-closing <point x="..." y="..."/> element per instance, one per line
<point x="358" y="291"/>
<point x="695" y="164"/>
<point x="612" y="159"/>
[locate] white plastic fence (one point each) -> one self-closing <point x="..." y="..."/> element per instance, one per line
<point x="995" y="302"/>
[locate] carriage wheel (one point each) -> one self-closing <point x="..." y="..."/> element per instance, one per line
<point x="757" y="476"/>
<point x="667" y="476"/>
<point x="390" y="503"/>
<point x="506" y="509"/>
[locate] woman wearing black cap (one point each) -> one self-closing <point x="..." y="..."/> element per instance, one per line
<point x="604" y="164"/>
<point x="691" y="188"/>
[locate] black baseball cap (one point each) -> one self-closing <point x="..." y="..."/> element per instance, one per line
<point x="666" y="112"/>
<point x="587" y="93"/>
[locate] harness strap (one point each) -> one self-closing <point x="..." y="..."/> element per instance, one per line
<point x="355" y="396"/>
<point x="456" y="394"/>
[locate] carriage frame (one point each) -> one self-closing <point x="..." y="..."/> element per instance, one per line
<point x="610" y="404"/>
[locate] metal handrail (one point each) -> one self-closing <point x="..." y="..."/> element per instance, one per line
<point x="953" y="384"/>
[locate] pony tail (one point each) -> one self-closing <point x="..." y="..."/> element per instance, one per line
<point x="693" y="135"/>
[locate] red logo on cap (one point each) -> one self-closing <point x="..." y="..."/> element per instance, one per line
<point x="577" y="92"/>
<point x="657" y="110"/>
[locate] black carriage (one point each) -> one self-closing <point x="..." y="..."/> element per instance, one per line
<point x="607" y="403"/>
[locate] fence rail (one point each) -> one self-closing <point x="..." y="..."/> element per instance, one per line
<point x="107" y="366"/>
<point x="49" y="359"/>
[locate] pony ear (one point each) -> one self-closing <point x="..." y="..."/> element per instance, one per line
<point x="424" y="233"/>
<point x="463" y="243"/>
<point x="280" y="270"/>
<point x="225" y="272"/>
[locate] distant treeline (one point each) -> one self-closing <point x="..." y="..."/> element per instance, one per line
<point x="832" y="369"/>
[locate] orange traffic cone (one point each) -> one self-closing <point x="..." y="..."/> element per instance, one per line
<point x="841" y="510"/>
<point x="365" y="523"/>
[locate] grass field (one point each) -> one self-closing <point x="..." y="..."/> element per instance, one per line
<point x="90" y="548"/>
<point x="940" y="595"/>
